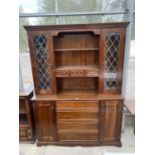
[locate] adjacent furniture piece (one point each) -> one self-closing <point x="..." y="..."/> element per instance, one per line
<point x="130" y="106"/>
<point x="26" y="118"/>
<point x="77" y="72"/>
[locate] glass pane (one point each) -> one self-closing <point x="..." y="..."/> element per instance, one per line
<point x="47" y="6"/>
<point x="70" y="20"/>
<point x="26" y="6"/>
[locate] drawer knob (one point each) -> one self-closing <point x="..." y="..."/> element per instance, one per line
<point x="76" y="98"/>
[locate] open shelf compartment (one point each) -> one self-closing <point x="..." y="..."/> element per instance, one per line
<point x="76" y="49"/>
<point x="74" y="85"/>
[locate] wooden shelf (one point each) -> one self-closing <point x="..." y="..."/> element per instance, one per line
<point x="90" y="67"/>
<point x="77" y="94"/>
<point x="76" y="49"/>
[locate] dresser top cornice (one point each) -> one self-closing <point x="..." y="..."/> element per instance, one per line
<point x="76" y="26"/>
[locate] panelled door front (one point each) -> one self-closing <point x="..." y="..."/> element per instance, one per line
<point x="46" y="126"/>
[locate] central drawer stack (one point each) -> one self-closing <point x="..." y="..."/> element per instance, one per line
<point x="77" y="120"/>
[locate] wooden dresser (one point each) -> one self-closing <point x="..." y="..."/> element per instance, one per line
<point x="77" y="72"/>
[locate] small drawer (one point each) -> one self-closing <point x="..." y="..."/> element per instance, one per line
<point x="77" y="73"/>
<point x="62" y="73"/>
<point x="76" y="104"/>
<point x="25" y="133"/>
<point x="92" y="74"/>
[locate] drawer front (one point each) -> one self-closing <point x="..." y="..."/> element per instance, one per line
<point x="92" y="74"/>
<point x="25" y="133"/>
<point x="77" y="104"/>
<point x="62" y="73"/>
<point x="78" y="73"/>
<point x="77" y="115"/>
<point x="78" y="136"/>
<point x="77" y="125"/>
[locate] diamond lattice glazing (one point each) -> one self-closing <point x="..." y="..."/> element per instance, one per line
<point x="110" y="83"/>
<point x="111" y="58"/>
<point x="112" y="50"/>
<point x="40" y="42"/>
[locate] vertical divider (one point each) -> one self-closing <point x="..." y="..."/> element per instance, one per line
<point x="52" y="62"/>
<point x="33" y="61"/>
<point x="101" y="120"/>
<point x="101" y="62"/>
<point x="121" y="58"/>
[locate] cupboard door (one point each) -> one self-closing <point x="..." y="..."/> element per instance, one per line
<point x="41" y="58"/>
<point x="46" y="121"/>
<point x="110" y="121"/>
<point x="113" y="59"/>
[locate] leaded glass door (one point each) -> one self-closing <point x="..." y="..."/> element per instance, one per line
<point x="113" y="60"/>
<point x="40" y="55"/>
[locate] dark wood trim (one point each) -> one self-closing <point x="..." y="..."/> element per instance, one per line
<point x="119" y="119"/>
<point x="101" y="120"/>
<point x="121" y="59"/>
<point x="76" y="26"/>
<point x="33" y="62"/>
<point x="80" y="143"/>
<point x="101" y="62"/>
<point x="52" y="63"/>
<point x="81" y="98"/>
<point x="95" y="31"/>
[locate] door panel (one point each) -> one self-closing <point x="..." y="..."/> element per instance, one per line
<point x="110" y="120"/>
<point x="46" y="121"/>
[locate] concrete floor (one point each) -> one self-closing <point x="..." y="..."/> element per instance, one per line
<point x="128" y="146"/>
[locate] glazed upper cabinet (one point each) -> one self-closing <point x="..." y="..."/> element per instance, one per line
<point x="90" y="54"/>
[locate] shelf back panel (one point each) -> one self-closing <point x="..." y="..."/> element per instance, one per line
<point x="72" y="40"/>
<point x="80" y="83"/>
<point x="76" y="58"/>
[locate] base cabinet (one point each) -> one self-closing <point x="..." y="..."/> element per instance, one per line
<point x="79" y="122"/>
